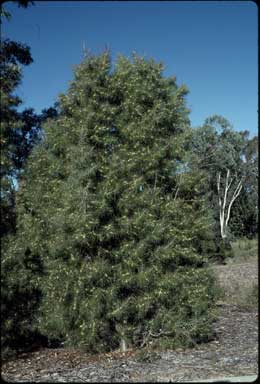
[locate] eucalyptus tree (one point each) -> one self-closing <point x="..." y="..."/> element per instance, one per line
<point x="220" y="152"/>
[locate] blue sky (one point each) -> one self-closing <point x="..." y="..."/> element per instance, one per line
<point x="211" y="46"/>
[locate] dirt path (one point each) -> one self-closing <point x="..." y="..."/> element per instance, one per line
<point x="233" y="353"/>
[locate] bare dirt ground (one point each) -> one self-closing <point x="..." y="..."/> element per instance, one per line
<point x="234" y="352"/>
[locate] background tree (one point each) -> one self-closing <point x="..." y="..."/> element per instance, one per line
<point x="11" y="126"/>
<point x="99" y="207"/>
<point x="20" y="132"/>
<point x="220" y="152"/>
<point x="244" y="215"/>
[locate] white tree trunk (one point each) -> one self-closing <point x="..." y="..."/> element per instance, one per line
<point x="224" y="214"/>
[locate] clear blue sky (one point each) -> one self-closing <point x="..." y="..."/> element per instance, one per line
<point x="211" y="46"/>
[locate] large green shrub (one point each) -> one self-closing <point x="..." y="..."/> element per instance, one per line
<point x="112" y="208"/>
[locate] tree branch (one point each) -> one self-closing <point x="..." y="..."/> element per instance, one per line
<point x="235" y="195"/>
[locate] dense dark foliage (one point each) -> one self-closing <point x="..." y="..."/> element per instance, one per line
<point x="20" y="132"/>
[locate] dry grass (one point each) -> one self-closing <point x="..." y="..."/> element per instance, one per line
<point x="239" y="279"/>
<point x="244" y="250"/>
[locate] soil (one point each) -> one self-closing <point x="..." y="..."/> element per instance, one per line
<point x="234" y="351"/>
